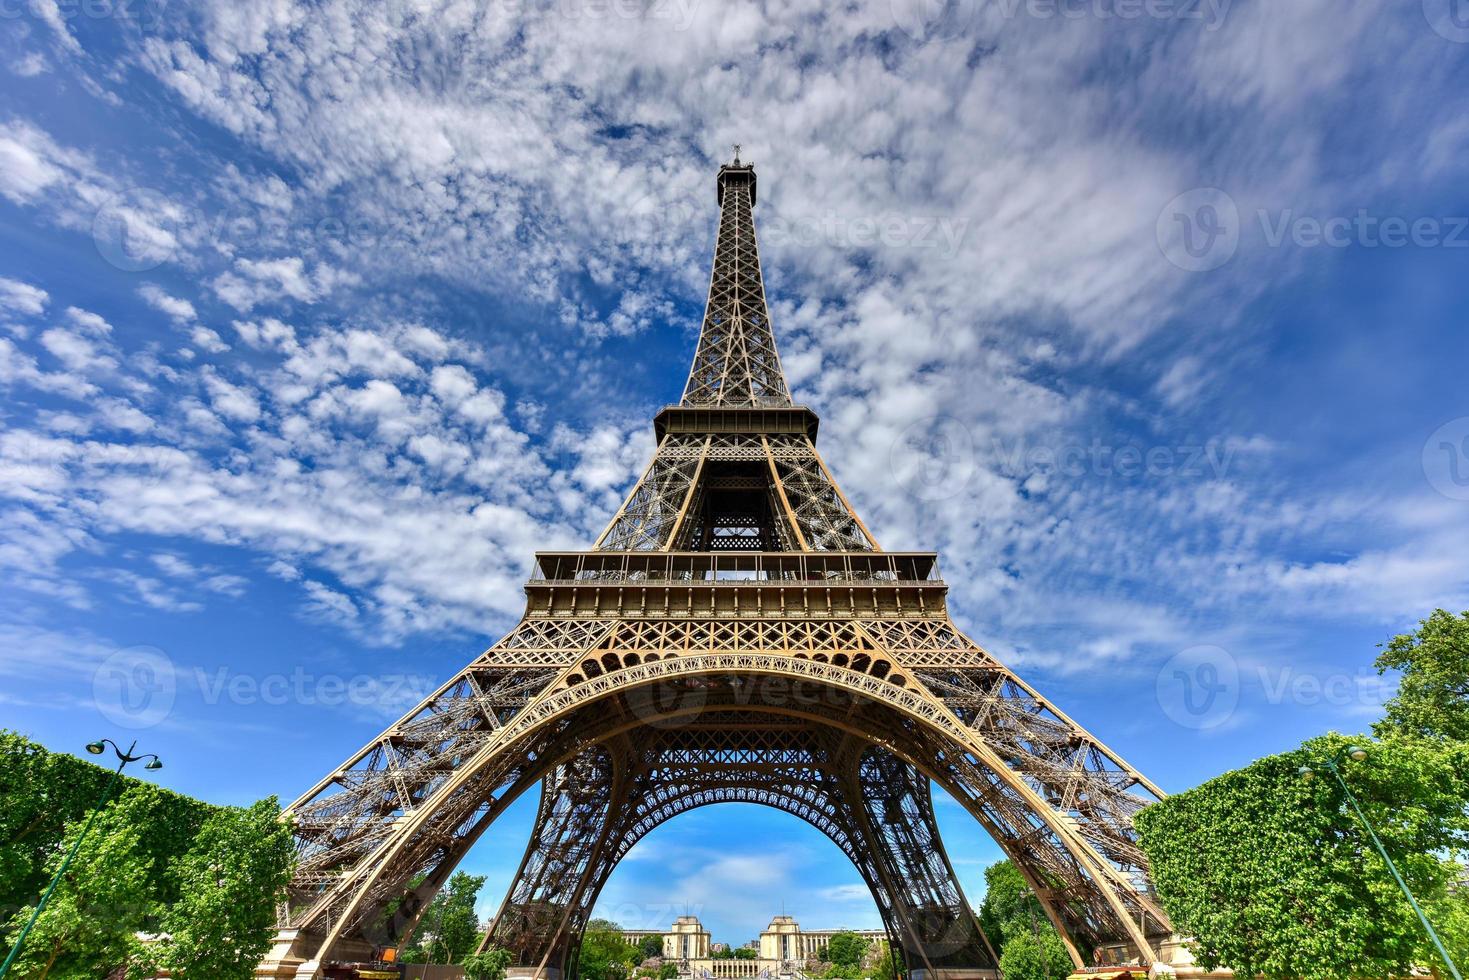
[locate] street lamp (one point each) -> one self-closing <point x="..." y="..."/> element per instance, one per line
<point x="1333" y="765"/>
<point x="95" y="748"/>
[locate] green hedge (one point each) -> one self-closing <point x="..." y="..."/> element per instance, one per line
<point x="46" y="791"/>
<point x="1272" y="875"/>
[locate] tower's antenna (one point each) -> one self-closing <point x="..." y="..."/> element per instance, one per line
<point x="737" y="154"/>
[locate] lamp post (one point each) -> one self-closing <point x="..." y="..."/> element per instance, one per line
<point x="95" y="748"/>
<point x="1333" y="765"/>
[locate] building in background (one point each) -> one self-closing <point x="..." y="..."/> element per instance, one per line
<point x="782" y="950"/>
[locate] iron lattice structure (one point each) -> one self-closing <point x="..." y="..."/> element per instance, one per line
<point x="736" y="634"/>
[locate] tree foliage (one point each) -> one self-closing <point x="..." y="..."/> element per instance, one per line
<point x="1433" y="692"/>
<point x="846" y="949"/>
<point x="1034" y="956"/>
<point x="1272" y="874"/>
<point x="46" y="792"/>
<point x="650" y="946"/>
<point x="605" y="955"/>
<point x="887" y="966"/>
<point x="1011" y="915"/>
<point x="489" y="965"/>
<point x="87" y="927"/>
<point x="222" y="924"/>
<point x="449" y="928"/>
<point x="204" y="877"/>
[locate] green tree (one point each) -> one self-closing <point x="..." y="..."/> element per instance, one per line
<point x="228" y="882"/>
<point x="888" y="966"/>
<point x="650" y="946"/>
<point x="846" y="949"/>
<point x="86" y="929"/>
<point x="667" y="971"/>
<point x="449" y="929"/>
<point x="605" y="955"/>
<point x="1007" y="901"/>
<point x="1433" y="692"/>
<point x="1011" y="909"/>
<point x="489" y="965"/>
<point x="1272" y="875"/>
<point x="46" y="793"/>
<point x="746" y="953"/>
<point x="1450" y="917"/>
<point x="1034" y="956"/>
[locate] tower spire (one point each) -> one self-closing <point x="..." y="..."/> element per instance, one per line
<point x="736" y="364"/>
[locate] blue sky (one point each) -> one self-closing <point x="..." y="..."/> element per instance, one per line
<point x="317" y="320"/>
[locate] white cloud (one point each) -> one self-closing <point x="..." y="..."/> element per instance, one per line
<point x="30" y="65"/>
<point x="491" y="169"/>
<point x="49" y="12"/>
<point x="230" y="400"/>
<point x="181" y="311"/>
<point x="25" y="170"/>
<point x="22" y="297"/>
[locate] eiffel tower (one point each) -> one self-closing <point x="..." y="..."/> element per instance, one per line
<point x="736" y="634"/>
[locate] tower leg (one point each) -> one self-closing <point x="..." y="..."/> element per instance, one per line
<point x="541" y="918"/>
<point x="937" y="931"/>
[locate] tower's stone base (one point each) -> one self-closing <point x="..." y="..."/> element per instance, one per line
<point x="1174" y="960"/>
<point x="955" y="973"/>
<point x="286" y="960"/>
<point x="532" y="973"/>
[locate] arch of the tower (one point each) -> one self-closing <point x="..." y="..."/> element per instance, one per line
<point x="385" y="831"/>
<point x="812" y="772"/>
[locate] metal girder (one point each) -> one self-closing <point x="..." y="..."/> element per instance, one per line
<point x="736" y="362"/>
<point x="798" y="768"/>
<point x="825" y="679"/>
